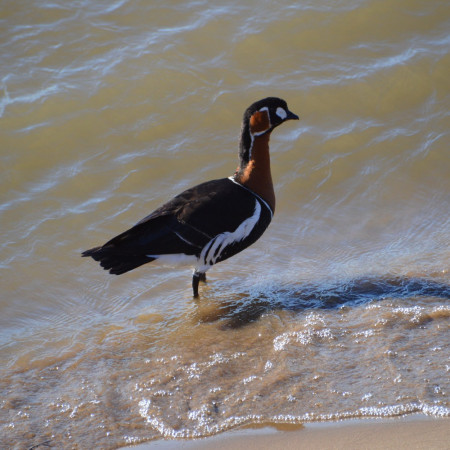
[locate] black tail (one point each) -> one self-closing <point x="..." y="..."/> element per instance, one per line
<point x="115" y="261"/>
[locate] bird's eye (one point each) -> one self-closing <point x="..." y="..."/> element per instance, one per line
<point x="281" y="113"/>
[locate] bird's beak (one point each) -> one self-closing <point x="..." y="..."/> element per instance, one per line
<point x="291" y="116"/>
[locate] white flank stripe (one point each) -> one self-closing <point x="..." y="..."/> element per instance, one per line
<point x="176" y="259"/>
<point x="214" y="248"/>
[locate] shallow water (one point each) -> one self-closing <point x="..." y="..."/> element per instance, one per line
<point x="340" y="310"/>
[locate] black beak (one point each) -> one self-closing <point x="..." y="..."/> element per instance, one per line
<point x="291" y="116"/>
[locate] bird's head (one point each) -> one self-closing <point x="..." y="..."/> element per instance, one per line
<point x="260" y="119"/>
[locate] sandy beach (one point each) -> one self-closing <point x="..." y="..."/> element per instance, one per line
<point x="414" y="432"/>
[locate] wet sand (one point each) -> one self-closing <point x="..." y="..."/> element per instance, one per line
<point x="415" y="432"/>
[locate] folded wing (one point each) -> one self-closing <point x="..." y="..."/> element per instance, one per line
<point x="182" y="226"/>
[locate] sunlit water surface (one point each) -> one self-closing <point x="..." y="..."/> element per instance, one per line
<point x="340" y="311"/>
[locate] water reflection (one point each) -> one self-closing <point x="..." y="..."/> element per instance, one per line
<point x="242" y="309"/>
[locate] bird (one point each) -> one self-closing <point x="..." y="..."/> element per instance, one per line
<point x="214" y="220"/>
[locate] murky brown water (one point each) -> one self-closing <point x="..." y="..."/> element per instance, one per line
<point x="341" y="310"/>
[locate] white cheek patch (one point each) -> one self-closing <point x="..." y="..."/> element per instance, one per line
<point x="177" y="259"/>
<point x="281" y="113"/>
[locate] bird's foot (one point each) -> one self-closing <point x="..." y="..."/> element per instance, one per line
<point x="196" y="278"/>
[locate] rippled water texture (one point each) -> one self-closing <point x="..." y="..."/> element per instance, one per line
<point x="108" y="109"/>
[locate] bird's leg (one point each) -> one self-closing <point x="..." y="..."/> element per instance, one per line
<point x="196" y="278"/>
<point x="195" y="281"/>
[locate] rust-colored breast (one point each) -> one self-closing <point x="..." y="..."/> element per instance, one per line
<point x="257" y="175"/>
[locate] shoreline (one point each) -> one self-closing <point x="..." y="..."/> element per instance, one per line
<point x="407" y="432"/>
